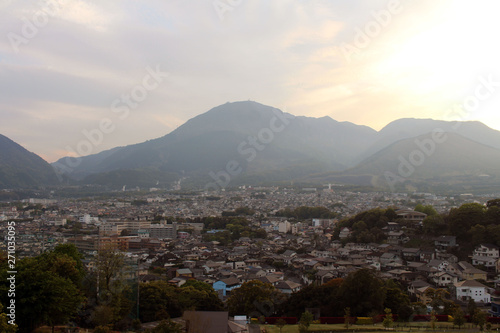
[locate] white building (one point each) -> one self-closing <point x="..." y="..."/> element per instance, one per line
<point x="344" y="233"/>
<point x="471" y="289"/>
<point x="487" y="250"/>
<point x="86" y="218"/>
<point x="284" y="227"/>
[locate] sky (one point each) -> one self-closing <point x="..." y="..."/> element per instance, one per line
<point x="79" y="76"/>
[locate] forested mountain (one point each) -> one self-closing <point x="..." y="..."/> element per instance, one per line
<point x="20" y="168"/>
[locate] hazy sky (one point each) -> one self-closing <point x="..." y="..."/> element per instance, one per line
<point x="131" y="70"/>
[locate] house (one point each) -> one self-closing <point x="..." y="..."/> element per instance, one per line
<point x="487" y="250"/>
<point x="469" y="272"/>
<point x="418" y="289"/>
<point x="488" y="262"/>
<point x="344" y="233"/>
<point x="412" y="216"/>
<point x="411" y="253"/>
<point x="224" y="287"/>
<point x="443" y="279"/>
<point x="388" y="258"/>
<point x="184" y="272"/>
<point x="440" y="265"/>
<point x="426" y="256"/>
<point x="323" y="276"/>
<point x="472" y="289"/>
<point x="443" y="243"/>
<point x="486" y="255"/>
<point x="287" y="287"/>
<point x="397" y="237"/>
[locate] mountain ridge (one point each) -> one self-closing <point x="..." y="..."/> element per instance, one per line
<point x="251" y="143"/>
<point x="20" y="168"/>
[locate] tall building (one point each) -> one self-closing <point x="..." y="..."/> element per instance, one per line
<point x="163" y="230"/>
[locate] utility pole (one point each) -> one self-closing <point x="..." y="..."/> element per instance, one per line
<point x="138" y="285"/>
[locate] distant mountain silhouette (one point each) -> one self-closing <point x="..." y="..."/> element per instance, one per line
<point x="20" y="168"/>
<point x="452" y="158"/>
<point x="263" y="140"/>
<point x="250" y="143"/>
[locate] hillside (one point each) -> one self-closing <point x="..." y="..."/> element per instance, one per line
<point x="264" y="141"/>
<point x="456" y="160"/>
<point x="20" y="168"/>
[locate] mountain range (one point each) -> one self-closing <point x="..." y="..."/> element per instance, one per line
<point x="20" y="168"/>
<point x="250" y="143"/>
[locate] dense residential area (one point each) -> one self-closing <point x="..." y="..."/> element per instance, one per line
<point x="143" y="257"/>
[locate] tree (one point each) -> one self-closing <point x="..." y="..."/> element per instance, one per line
<point x="471" y="307"/>
<point x="427" y="209"/>
<point x="5" y="327"/>
<point x="434" y="225"/>
<point x="306" y="319"/>
<point x="461" y="219"/>
<point x="397" y="300"/>
<point x="388" y="321"/>
<point x="324" y="297"/>
<point x="46" y="292"/>
<point x="363" y="292"/>
<point x="254" y="298"/>
<point x="458" y="317"/>
<point x="433" y="320"/>
<point x="479" y="319"/>
<point x="158" y="296"/>
<point x="280" y="323"/>
<point x="110" y="262"/>
<point x="347" y="317"/>
<point x="493" y="203"/>
<point x="166" y="326"/>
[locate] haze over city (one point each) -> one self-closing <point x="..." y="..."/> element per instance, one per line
<point x="67" y="65"/>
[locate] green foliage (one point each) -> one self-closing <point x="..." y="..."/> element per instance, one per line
<point x="159" y="299"/>
<point x="280" y="323"/>
<point x="433" y="320"/>
<point x="434" y="225"/>
<point x="236" y="227"/>
<point x="5" y="327"/>
<point x="471" y="307"/>
<point x="367" y="226"/>
<point x="461" y="219"/>
<point x="166" y="326"/>
<point x="363" y="292"/>
<point x="325" y="297"/>
<point x="306" y="319"/>
<point x="397" y="300"/>
<point x="479" y="318"/>
<point x="347" y="317"/>
<point x="388" y="321"/>
<point x="427" y="209"/>
<point x="493" y="203"/>
<point x="252" y="297"/>
<point x="458" y="317"/>
<point x="47" y="290"/>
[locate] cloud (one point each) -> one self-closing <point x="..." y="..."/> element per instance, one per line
<point x="285" y="54"/>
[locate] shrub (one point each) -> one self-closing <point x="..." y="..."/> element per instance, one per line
<point x="364" y="321"/>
